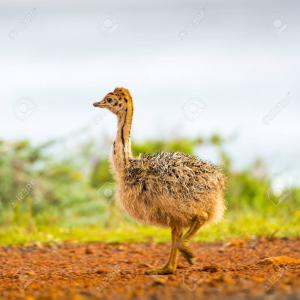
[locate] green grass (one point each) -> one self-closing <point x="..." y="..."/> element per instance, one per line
<point x="46" y="198"/>
<point x="242" y="226"/>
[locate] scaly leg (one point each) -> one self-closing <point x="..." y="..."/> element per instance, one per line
<point x="171" y="265"/>
<point x="182" y="244"/>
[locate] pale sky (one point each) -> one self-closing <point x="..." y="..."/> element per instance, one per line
<point x="193" y="67"/>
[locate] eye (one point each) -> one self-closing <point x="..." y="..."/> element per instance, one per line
<point x="109" y="100"/>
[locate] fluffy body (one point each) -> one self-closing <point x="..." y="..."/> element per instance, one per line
<point x="172" y="189"/>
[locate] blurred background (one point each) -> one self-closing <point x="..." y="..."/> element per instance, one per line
<point x="217" y="79"/>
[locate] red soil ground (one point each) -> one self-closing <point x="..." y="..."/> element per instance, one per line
<point x="237" y="270"/>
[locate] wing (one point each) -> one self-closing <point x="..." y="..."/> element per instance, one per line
<point x="173" y="175"/>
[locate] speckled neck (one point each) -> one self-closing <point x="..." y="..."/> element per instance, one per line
<point x="122" y="144"/>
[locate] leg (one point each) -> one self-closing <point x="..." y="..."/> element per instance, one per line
<point x="182" y="244"/>
<point x="171" y="265"/>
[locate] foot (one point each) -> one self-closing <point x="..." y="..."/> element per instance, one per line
<point x="162" y="271"/>
<point x="187" y="253"/>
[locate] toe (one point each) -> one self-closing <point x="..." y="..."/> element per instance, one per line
<point x="162" y="271"/>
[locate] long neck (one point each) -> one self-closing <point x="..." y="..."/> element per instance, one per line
<point x="122" y="144"/>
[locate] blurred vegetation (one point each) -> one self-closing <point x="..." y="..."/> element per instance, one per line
<point x="44" y="196"/>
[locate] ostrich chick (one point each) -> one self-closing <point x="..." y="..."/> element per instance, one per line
<point x="167" y="189"/>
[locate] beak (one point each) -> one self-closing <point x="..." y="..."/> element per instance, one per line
<point x="99" y="104"/>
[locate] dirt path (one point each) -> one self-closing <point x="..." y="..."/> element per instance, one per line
<point x="100" y="271"/>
